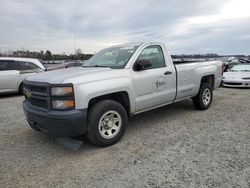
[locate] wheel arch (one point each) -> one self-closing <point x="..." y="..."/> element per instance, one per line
<point x="121" y="97"/>
<point x="210" y="79"/>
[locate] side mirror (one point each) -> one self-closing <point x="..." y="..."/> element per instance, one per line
<point x="142" y="64"/>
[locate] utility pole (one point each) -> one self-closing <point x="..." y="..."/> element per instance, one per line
<point x="74" y="45"/>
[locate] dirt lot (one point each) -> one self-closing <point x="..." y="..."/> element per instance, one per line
<point x="174" y="146"/>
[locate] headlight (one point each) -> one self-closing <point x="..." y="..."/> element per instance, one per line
<point x="62" y="91"/>
<point x="63" y="104"/>
<point x="223" y="77"/>
<point x="246" y="78"/>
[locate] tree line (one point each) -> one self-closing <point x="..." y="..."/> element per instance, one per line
<point x="47" y="55"/>
<point x="209" y="55"/>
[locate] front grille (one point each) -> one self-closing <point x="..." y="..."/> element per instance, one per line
<point x="37" y="90"/>
<point x="37" y="95"/>
<point x="232" y="83"/>
<point x="41" y="103"/>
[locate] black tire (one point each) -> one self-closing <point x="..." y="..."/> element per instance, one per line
<point x="20" y="89"/>
<point x="96" y="113"/>
<point x="199" y="101"/>
<point x="221" y="84"/>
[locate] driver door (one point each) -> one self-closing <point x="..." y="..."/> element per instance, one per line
<point x="156" y="85"/>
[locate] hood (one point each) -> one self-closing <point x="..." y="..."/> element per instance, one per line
<point x="236" y="75"/>
<point x="64" y="75"/>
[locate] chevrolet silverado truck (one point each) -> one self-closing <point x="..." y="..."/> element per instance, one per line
<point x="118" y="82"/>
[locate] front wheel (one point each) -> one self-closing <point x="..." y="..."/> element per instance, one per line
<point x="107" y="123"/>
<point x="203" y="99"/>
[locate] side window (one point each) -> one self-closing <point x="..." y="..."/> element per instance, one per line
<point x="78" y="64"/>
<point x="22" y="65"/>
<point x="7" y="65"/>
<point x="155" y="55"/>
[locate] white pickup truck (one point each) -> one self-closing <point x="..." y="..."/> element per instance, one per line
<point x="118" y="82"/>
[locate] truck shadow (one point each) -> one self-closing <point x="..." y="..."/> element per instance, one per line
<point x="163" y="113"/>
<point x="10" y="95"/>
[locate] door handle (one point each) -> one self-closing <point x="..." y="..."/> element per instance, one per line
<point x="167" y="72"/>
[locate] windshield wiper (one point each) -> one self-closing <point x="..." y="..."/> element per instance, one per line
<point x="95" y="66"/>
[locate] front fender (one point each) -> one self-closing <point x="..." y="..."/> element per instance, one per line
<point x="87" y="91"/>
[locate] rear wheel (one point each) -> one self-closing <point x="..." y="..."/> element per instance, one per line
<point x="203" y="100"/>
<point x="21" y="88"/>
<point x="107" y="123"/>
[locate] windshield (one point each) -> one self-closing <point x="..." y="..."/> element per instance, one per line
<point x="240" y="68"/>
<point x="114" y="57"/>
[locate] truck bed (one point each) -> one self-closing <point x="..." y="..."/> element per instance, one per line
<point x="189" y="74"/>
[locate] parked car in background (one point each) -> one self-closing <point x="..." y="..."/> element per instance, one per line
<point x="244" y="60"/>
<point x="67" y="64"/>
<point x="14" y="70"/>
<point x="237" y="76"/>
<point x="233" y="61"/>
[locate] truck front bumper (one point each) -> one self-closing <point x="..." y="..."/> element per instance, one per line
<point x="58" y="123"/>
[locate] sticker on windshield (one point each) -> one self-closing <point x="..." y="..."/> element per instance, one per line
<point x="131" y="51"/>
<point x="127" y="48"/>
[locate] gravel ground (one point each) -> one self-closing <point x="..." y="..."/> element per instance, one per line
<point x="174" y="146"/>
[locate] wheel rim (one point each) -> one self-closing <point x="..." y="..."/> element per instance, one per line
<point x="110" y="124"/>
<point x="206" y="96"/>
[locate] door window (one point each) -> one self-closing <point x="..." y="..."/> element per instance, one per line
<point x="155" y="55"/>
<point x="6" y="65"/>
<point x="22" y="65"/>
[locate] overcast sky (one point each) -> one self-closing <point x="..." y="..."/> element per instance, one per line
<point x="193" y="26"/>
